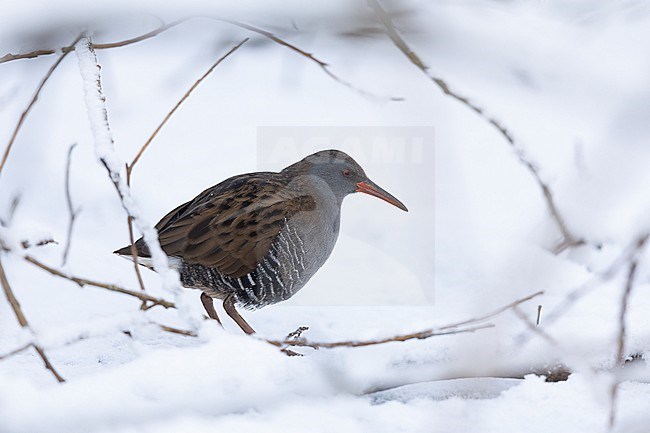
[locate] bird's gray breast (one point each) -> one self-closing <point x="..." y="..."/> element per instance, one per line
<point x="302" y="246"/>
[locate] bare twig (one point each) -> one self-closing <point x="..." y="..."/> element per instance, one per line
<point x="72" y="212"/>
<point x="269" y="35"/>
<point x="309" y="56"/>
<point x="178" y="104"/>
<point x="81" y="282"/>
<point x="568" y="239"/>
<point x="578" y="293"/>
<point x="137" y="39"/>
<point x="173" y="330"/>
<point x="539" y="315"/>
<point x="22" y="320"/>
<point x="495" y="312"/>
<point x="134" y="250"/>
<point x="134" y="255"/>
<point x="454" y="328"/>
<point x="33" y="54"/>
<point x="15" y="351"/>
<point x="23" y="116"/>
<point x="620" y="352"/>
<point x="129" y="167"/>
<point x="533" y="327"/>
<point x="422" y="335"/>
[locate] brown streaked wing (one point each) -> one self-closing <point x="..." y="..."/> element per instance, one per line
<point x="232" y="229"/>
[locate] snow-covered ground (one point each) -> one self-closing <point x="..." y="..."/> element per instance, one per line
<point x="569" y="80"/>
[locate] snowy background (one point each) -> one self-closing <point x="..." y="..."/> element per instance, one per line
<point x="570" y="81"/>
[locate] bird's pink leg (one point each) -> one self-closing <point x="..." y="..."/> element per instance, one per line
<point x="209" y="307"/>
<point x="229" y="306"/>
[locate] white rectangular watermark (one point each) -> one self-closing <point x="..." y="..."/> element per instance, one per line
<point x="384" y="256"/>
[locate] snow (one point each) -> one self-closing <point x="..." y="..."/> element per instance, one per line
<point x="568" y="79"/>
<point x="105" y="152"/>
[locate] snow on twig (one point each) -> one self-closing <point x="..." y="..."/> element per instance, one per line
<point x="105" y="152"/>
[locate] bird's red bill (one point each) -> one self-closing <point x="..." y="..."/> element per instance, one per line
<point x="371" y="188"/>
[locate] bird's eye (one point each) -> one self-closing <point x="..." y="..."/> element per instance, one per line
<point x="346" y="173"/>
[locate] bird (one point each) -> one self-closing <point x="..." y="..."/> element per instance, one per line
<point x="256" y="239"/>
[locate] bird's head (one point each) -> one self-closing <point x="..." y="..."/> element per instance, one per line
<point x="343" y="175"/>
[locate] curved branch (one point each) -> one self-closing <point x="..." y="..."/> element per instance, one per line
<point x="450" y="329"/>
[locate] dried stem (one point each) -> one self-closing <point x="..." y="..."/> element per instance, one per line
<point x="360" y="343"/>
<point x="309" y="56"/>
<point x="22" y="320"/>
<point x="620" y="352"/>
<point x="450" y="329"/>
<point x="173" y="330"/>
<point x="533" y="327"/>
<point x="495" y="312"/>
<point x="134" y="250"/>
<point x="578" y="293"/>
<point x="15" y="351"/>
<point x="129" y="167"/>
<point x="33" y="54"/>
<point x="274" y="38"/>
<point x="81" y="282"/>
<point x="137" y="39"/>
<point x="24" y="114"/>
<point x="72" y="212"/>
<point x="568" y="239"/>
<point x="178" y="104"/>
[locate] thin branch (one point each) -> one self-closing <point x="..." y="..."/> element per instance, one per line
<point x="23" y="116"/>
<point x="81" y="282"/>
<point x="620" y="352"/>
<point x="129" y="167"/>
<point x="72" y="212"/>
<point x="134" y="250"/>
<point x="15" y="351"/>
<point x="568" y="239"/>
<point x="137" y="39"/>
<point x="15" y="305"/>
<point x="360" y="343"/>
<point x="450" y="329"/>
<point x="495" y="312"/>
<point x="178" y="104"/>
<point x="581" y="291"/>
<point x="22" y="320"/>
<point x="309" y="56"/>
<point x="134" y="255"/>
<point x="173" y="330"/>
<point x="321" y="64"/>
<point x="533" y="327"/>
<point x="33" y="54"/>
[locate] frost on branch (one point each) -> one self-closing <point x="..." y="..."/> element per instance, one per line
<point x="105" y="151"/>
